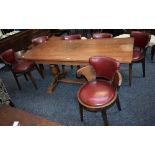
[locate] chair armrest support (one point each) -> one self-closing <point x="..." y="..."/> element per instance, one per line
<point x="117" y="81"/>
<point x="88" y="72"/>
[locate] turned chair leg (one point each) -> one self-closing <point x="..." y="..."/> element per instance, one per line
<point x="39" y="71"/>
<point x="17" y="81"/>
<point x="11" y="104"/>
<point x="41" y="68"/>
<point x="63" y="68"/>
<point x="25" y="77"/>
<point x="152" y="52"/>
<point x="78" y="67"/>
<point x="71" y="66"/>
<point x="130" y="74"/>
<point x="81" y="112"/>
<point x="143" y="67"/>
<point x="32" y="79"/>
<point x="118" y="103"/>
<point x="104" y="116"/>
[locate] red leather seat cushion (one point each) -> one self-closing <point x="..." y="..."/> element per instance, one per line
<point x="97" y="93"/>
<point x="137" y="55"/>
<point x="22" y="66"/>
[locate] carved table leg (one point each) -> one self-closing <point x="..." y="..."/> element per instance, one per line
<point x="55" y="72"/>
<point x="56" y="77"/>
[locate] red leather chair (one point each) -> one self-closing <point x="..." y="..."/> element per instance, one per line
<point x="102" y="35"/>
<point x="141" y="39"/>
<point x="99" y="94"/>
<point x="71" y="37"/>
<point x="19" y="67"/>
<point x="37" y="41"/>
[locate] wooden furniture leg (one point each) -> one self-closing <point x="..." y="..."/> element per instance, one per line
<point x="40" y="71"/>
<point x="81" y="112"/>
<point x="32" y="79"/>
<point x="41" y="68"/>
<point x="130" y="74"/>
<point x="63" y="68"/>
<point x="17" y="81"/>
<point x="118" y="104"/>
<point x="25" y="77"/>
<point x="11" y="104"/>
<point x="55" y="71"/>
<point x="143" y="67"/>
<point x="104" y="116"/>
<point x="152" y="52"/>
<point x="59" y="76"/>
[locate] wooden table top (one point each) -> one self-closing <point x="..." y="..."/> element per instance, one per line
<point x="9" y="114"/>
<point x="58" y="51"/>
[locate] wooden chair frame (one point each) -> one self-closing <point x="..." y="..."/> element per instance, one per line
<point x="89" y="73"/>
<point x="25" y="73"/>
<point x="142" y="60"/>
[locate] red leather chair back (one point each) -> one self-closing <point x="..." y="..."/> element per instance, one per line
<point x="104" y="66"/>
<point x="8" y="57"/>
<point x="141" y="39"/>
<point x="102" y="35"/>
<point x="72" y="37"/>
<point x="39" y="40"/>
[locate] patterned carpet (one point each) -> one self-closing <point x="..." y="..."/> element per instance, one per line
<point x="138" y="102"/>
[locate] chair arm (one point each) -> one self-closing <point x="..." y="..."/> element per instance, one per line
<point x="117" y="81"/>
<point x="88" y="72"/>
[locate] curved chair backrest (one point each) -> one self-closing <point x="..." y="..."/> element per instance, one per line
<point x="104" y="66"/>
<point x="39" y="40"/>
<point x="72" y="37"/>
<point x="141" y="39"/>
<point x="102" y="35"/>
<point x="8" y="57"/>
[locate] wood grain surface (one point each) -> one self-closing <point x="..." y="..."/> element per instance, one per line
<point x="77" y="52"/>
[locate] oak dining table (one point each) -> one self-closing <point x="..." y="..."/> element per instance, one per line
<point x="57" y="51"/>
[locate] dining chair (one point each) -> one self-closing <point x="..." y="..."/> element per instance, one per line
<point x="99" y="94"/>
<point x="37" y="41"/>
<point x="71" y="37"/>
<point x="19" y="67"/>
<point x="102" y="35"/>
<point x="141" y="40"/>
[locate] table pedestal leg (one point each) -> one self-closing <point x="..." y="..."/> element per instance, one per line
<point x="56" y="76"/>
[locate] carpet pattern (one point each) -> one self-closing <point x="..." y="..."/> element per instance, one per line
<point x="137" y="102"/>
